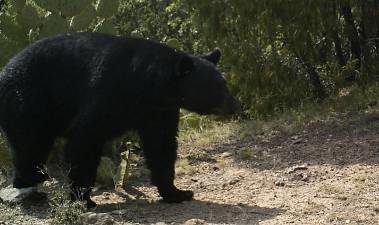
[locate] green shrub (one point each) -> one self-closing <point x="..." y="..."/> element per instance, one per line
<point x="62" y="210"/>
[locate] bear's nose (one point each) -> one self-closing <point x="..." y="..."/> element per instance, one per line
<point x="230" y="106"/>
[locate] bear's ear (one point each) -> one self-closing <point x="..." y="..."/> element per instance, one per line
<point x="184" y="66"/>
<point x="213" y="56"/>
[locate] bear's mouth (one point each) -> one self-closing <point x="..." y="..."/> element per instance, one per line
<point x="229" y="106"/>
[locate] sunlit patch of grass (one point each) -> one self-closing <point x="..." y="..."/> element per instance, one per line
<point x="183" y="167"/>
<point x="246" y="153"/>
<point x="210" y="131"/>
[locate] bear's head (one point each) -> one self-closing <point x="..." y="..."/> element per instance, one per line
<point x="202" y="88"/>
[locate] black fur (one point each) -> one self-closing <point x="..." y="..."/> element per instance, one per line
<point x="90" y="88"/>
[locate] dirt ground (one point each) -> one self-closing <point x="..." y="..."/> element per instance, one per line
<point x="325" y="171"/>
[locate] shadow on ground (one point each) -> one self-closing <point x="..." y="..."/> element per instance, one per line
<point x="141" y="211"/>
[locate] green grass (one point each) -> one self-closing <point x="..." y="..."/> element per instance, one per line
<point x="200" y="130"/>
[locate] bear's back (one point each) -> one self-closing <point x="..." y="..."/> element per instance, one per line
<point x="58" y="76"/>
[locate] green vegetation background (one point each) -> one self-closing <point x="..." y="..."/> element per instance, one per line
<point x="278" y="56"/>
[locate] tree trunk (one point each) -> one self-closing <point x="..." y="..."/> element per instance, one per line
<point x="331" y="22"/>
<point x="362" y="30"/>
<point x="338" y="48"/>
<point x="356" y="50"/>
<point x="2" y="4"/>
<point x="318" y="88"/>
<point x="336" y="38"/>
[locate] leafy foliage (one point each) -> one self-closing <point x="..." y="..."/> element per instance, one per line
<point x="165" y="21"/>
<point x="283" y="53"/>
<point x="277" y="54"/>
<point x="24" y="21"/>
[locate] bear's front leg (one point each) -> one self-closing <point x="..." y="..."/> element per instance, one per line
<point x="159" y="146"/>
<point x="83" y="156"/>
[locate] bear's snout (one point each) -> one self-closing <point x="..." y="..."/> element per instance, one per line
<point x="229" y="106"/>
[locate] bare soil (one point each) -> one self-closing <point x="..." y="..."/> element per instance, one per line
<point x="325" y="171"/>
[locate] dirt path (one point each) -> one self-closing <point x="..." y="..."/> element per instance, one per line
<point x="323" y="172"/>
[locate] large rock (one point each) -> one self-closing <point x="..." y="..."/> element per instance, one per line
<point x="14" y="195"/>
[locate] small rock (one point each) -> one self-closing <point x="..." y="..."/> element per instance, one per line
<point x="300" y="177"/>
<point x="119" y="212"/>
<point x="215" y="168"/>
<point x="234" y="181"/>
<point x="295" y="137"/>
<point x="50" y="183"/>
<point x="160" y="223"/>
<point x="297" y="141"/>
<point x="91" y="218"/>
<point x="226" y="154"/>
<point x="305" y="177"/>
<point x="97" y="219"/>
<point x="195" y="222"/>
<point x="280" y="182"/>
<point x="376" y="209"/>
<point x="298" y="167"/>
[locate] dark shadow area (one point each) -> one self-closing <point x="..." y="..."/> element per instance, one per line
<point x="144" y="212"/>
<point x="36" y="205"/>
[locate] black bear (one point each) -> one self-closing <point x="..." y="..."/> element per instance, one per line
<point x="90" y="88"/>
